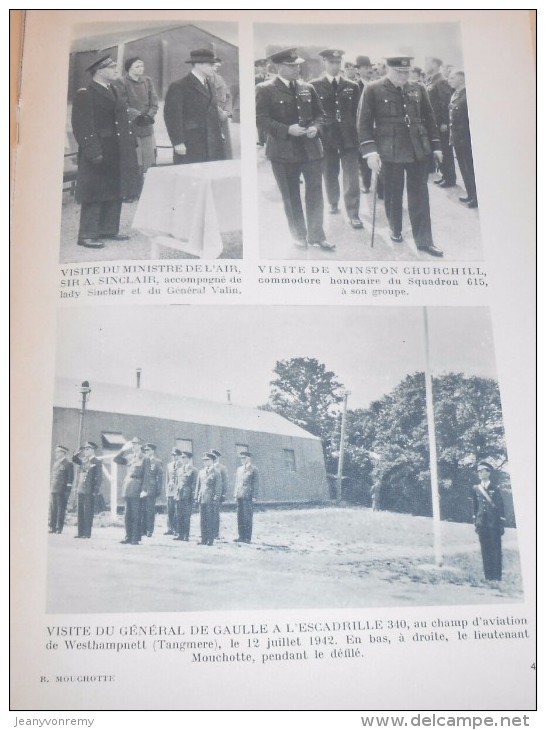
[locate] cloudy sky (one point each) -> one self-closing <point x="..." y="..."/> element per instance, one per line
<point x="202" y="351"/>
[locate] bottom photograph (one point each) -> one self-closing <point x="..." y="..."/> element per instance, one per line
<point x="277" y="457"/>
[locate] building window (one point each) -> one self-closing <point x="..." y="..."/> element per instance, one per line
<point x="241" y="447"/>
<point x="184" y="445"/>
<point x="112" y="440"/>
<point x="289" y="460"/>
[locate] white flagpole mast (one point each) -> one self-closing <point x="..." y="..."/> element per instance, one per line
<point x="438" y="557"/>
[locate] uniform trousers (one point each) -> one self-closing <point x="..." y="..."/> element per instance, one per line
<point x="100" y="219"/>
<point x="86" y="510"/>
<point x="490" y="543"/>
<point x="132" y="519"/>
<point x="172" y="523"/>
<point x="245" y="513"/>
<point x="217" y="520"/>
<point x="207" y="522"/>
<point x="351" y="189"/>
<point x="183" y="517"/>
<point x="57" y="511"/>
<point x="416" y="174"/>
<point x="466" y="166"/>
<point x="287" y="175"/>
<point x="147" y="515"/>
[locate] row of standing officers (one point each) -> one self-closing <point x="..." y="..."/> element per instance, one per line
<point x="144" y="482"/>
<point x="315" y="129"/>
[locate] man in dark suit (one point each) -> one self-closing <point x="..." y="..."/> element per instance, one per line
<point x="439" y="93"/>
<point x="89" y="482"/>
<point x="153" y="490"/>
<point x="191" y="113"/>
<point x="289" y="113"/>
<point x="398" y="133"/>
<point x="186" y="478"/>
<point x="207" y="495"/>
<point x="246" y="491"/>
<point x="365" y="73"/>
<point x="107" y="158"/>
<point x="489" y="520"/>
<point x="459" y="137"/>
<point x="62" y="477"/>
<point x="339" y="98"/>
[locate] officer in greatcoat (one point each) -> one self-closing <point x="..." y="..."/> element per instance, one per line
<point x="439" y="93"/>
<point x="397" y="133"/>
<point x="107" y="158"/>
<point x="289" y="113"/>
<point x="62" y="478"/>
<point x="171" y="488"/>
<point x="153" y="490"/>
<point x="365" y="72"/>
<point x="489" y="520"/>
<point x="134" y="487"/>
<point x="339" y="98"/>
<point x="89" y="482"/>
<point x="246" y="490"/>
<point x="191" y="113"/>
<point x="459" y="137"/>
<point x="208" y="490"/>
<point x="186" y="479"/>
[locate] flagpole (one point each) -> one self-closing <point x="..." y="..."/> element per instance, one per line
<point x="438" y="557"/>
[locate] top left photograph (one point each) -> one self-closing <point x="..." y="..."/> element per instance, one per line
<point x="152" y="151"/>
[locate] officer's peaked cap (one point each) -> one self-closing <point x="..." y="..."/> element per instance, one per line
<point x="289" y="57"/>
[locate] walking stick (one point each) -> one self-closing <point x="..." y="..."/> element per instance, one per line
<point x="374" y="208"/>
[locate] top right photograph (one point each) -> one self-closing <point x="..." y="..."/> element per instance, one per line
<point x="364" y="145"/>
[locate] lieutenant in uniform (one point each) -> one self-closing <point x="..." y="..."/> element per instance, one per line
<point x="186" y="478"/>
<point x="153" y="490"/>
<point x="339" y="98"/>
<point x="134" y="487"/>
<point x="289" y="113"/>
<point x="397" y="133"/>
<point x="207" y="495"/>
<point x="108" y="168"/>
<point x="365" y="74"/>
<point x="222" y="470"/>
<point x="489" y="520"/>
<point x="459" y="136"/>
<point x="89" y="481"/>
<point x="246" y="490"/>
<point x="62" y="477"/>
<point x="439" y="93"/>
<point x="171" y="487"/>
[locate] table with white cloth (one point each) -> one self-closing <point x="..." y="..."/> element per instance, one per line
<point x="188" y="207"/>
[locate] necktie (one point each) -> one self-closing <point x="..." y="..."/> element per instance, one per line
<point x="334" y="84"/>
<point x="293" y="87"/>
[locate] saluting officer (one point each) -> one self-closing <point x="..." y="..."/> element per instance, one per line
<point x="397" y="133"/>
<point x="186" y="477"/>
<point x="134" y="486"/>
<point x="339" y="98"/>
<point x="153" y="490"/>
<point x="108" y="168"/>
<point x="246" y="490"/>
<point x="208" y="493"/>
<point x="62" y="477"/>
<point x="171" y="487"/>
<point x="89" y="481"/>
<point x="289" y="113"/>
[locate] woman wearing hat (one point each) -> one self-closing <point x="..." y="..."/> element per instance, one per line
<point x="489" y="520"/>
<point x="143" y="105"/>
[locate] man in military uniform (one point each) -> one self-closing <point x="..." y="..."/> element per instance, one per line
<point x="89" y="481"/>
<point x="289" y="113"/>
<point x="207" y="495"/>
<point x="459" y="137"/>
<point x="107" y="155"/>
<point x="62" y="477"/>
<point x="260" y="75"/>
<point x="134" y="487"/>
<point x="171" y="488"/>
<point x="187" y="481"/>
<point x="339" y="98"/>
<point x="153" y="490"/>
<point x="224" y="476"/>
<point x="439" y="93"/>
<point x="365" y="73"/>
<point x="246" y="490"/>
<point x="191" y="113"/>
<point x="489" y="520"/>
<point x="397" y="133"/>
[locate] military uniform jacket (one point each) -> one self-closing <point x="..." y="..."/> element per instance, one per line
<point x="488" y="511"/>
<point x="101" y="126"/>
<point x="209" y="486"/>
<point x="397" y="123"/>
<point x="459" y="127"/>
<point x="90" y="476"/>
<point x="277" y="108"/>
<point x="155" y="477"/>
<point x="187" y="481"/>
<point x="224" y="477"/>
<point x="340" y="108"/>
<point x="192" y="118"/>
<point x="171" y="485"/>
<point x="246" y="482"/>
<point x="439" y="93"/>
<point x="137" y="476"/>
<point x="62" y="476"/>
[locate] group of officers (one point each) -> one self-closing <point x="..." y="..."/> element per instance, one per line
<point x="145" y="480"/>
<point x="393" y="127"/>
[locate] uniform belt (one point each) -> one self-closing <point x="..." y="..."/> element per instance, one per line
<point x="398" y="120"/>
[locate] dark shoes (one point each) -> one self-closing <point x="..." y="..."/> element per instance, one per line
<point x="91" y="242"/>
<point x="472" y="203"/>
<point x="432" y="250"/>
<point x="333" y="209"/>
<point x="396" y="237"/>
<point x="445" y="184"/>
<point x="439" y="181"/>
<point x="465" y="200"/>
<point x="116" y="237"/>
<point x="355" y="222"/>
<point x="365" y="190"/>
<point x="325" y="245"/>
